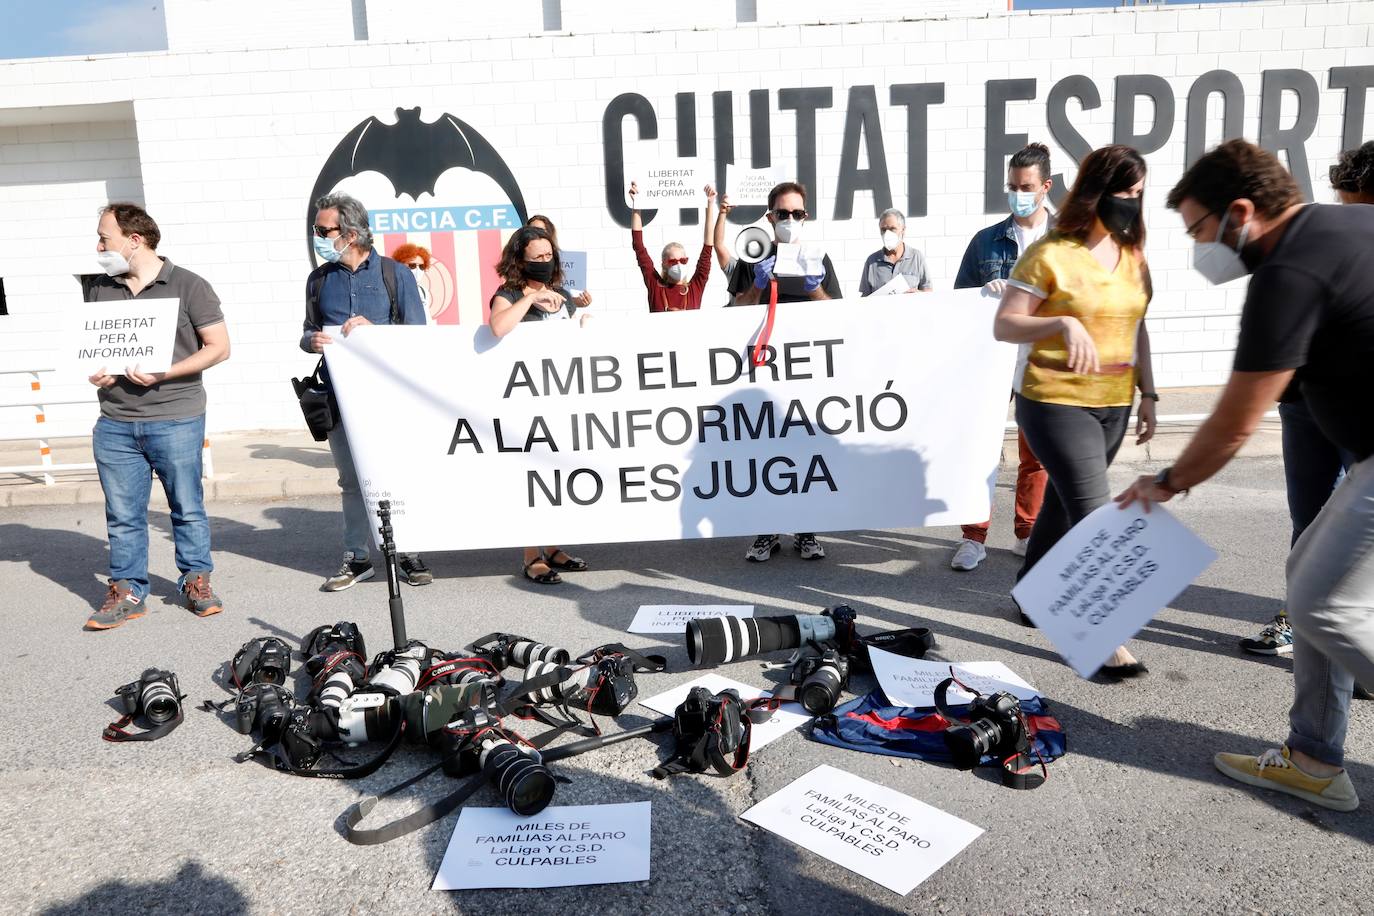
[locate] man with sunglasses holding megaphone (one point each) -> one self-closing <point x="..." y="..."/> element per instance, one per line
<point x="751" y="276"/>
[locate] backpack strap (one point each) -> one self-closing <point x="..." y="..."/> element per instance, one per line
<point x="389" y="280"/>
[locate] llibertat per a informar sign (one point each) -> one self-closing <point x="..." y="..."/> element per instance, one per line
<point x="865" y="414"/>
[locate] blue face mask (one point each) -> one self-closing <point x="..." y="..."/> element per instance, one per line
<point x="1022" y="203"/>
<point x="325" y="251"/>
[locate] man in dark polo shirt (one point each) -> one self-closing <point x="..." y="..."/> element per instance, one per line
<point x="355" y="285"/>
<point x="153" y="423"/>
<point x="1308" y="320"/>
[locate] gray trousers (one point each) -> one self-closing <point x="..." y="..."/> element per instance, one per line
<point x="1331" y="607"/>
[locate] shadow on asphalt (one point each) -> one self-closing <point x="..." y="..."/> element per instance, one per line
<point x="309" y="457"/>
<point x="190" y="887"/>
<point x="78" y="562"/>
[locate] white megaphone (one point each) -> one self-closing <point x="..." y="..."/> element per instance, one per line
<point x="753" y="244"/>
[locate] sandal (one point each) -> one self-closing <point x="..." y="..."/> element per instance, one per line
<point x="571" y="564"/>
<point x="547" y="578"/>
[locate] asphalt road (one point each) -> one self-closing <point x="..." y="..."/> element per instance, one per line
<point x="1134" y="819"/>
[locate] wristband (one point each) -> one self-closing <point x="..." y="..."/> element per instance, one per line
<point x="1152" y="395"/>
<point x="1162" y="481"/>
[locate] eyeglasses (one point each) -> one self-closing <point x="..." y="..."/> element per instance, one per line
<point x="780" y="215"/>
<point x="675" y="260"/>
<point x="323" y="231"/>
<point x="416" y="266"/>
<point x="1202" y="219"/>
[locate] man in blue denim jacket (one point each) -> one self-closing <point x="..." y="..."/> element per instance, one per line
<point x="987" y="263"/>
<point x="348" y="290"/>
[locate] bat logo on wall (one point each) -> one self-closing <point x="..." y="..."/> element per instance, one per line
<point x="413" y="155"/>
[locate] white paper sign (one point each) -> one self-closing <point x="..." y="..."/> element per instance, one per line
<point x="137" y="334"/>
<point x="912" y="681"/>
<point x="617" y="432"/>
<point x="1107" y="578"/>
<point x="749" y="187"/>
<point x="783" y="719"/>
<point x="675" y="182"/>
<point x="889" y="838"/>
<point x="558" y="847"/>
<point x="898" y="284"/>
<point x="673" y="618"/>
<point x="806" y="259"/>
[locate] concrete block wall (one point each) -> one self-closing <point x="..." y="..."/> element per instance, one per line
<point x="231" y="142"/>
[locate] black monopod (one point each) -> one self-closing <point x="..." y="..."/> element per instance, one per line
<point x="393" y="576"/>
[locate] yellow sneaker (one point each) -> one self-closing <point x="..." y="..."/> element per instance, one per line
<point x="1273" y="770"/>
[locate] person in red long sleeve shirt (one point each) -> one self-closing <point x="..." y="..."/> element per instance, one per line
<point x="672" y="289"/>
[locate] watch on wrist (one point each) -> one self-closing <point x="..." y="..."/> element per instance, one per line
<point x="1152" y="395"/>
<point x="1162" y="481"/>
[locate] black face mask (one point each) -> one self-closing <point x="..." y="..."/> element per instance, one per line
<point x="1118" y="214"/>
<point x="539" y="271"/>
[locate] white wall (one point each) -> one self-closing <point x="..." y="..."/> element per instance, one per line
<point x="53" y="180"/>
<point x="231" y="142"/>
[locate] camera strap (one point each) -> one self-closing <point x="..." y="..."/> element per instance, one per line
<point x="411" y="822"/>
<point x="454" y="800"/>
<point x="114" y="732"/>
<point x="643" y="664"/>
<point x="706" y="752"/>
<point x="1017" y="771"/>
<point x="274" y="757"/>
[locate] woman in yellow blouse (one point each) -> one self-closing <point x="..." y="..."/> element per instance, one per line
<point x="1078" y="297"/>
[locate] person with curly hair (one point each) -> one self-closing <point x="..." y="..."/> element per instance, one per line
<point x="1352" y="177"/>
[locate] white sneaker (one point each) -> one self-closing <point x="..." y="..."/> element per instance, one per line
<point x="968" y="556"/>
<point x="1019" y="548"/>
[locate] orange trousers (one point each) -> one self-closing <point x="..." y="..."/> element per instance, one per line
<point x="1030" y="493"/>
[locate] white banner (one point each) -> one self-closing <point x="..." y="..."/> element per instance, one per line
<point x="1107" y="578"/>
<point x="869" y="414"/>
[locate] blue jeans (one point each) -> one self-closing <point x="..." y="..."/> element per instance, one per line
<point x="127" y="454"/>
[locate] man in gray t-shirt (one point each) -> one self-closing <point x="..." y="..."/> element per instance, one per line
<point x="895" y="258"/>
<point x="153" y="423"/>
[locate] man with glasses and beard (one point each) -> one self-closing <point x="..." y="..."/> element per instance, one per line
<point x="355" y="286"/>
<point x="749" y="285"/>
<point x="1308" y="321"/>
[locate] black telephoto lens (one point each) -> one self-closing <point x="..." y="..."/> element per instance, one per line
<point x="524" y="783"/>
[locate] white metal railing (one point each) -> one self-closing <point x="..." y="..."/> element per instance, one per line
<point x="36" y="399"/>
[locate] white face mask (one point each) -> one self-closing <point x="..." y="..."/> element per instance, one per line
<point x="891" y="240"/>
<point x="113" y="263"/>
<point x="677" y="272"/>
<point x="1218" y="262"/>
<point x="788" y="231"/>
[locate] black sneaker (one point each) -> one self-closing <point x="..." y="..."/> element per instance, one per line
<point x="415" y="570"/>
<point x="763" y="548"/>
<point x="808" y="547"/>
<point x="350" y="574"/>
<point x="1275" y="639"/>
